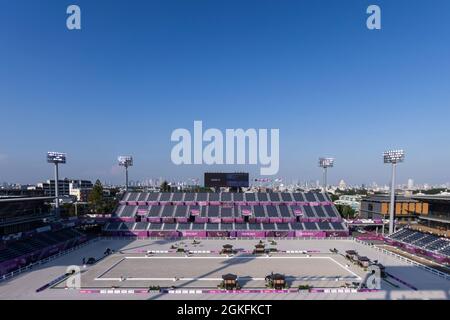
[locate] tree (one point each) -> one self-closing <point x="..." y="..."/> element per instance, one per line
<point x="96" y="201"/>
<point x="165" y="187"/>
<point x="346" y="211"/>
<point x="67" y="210"/>
<point x="432" y="191"/>
<point x="334" y="197"/>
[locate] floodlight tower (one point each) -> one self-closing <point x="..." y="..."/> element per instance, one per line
<point x="325" y="163"/>
<point x="56" y="158"/>
<point x="393" y="157"/>
<point x="126" y="161"/>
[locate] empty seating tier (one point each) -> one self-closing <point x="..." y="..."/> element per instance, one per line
<point x="424" y="241"/>
<point x="37" y="243"/>
<point x="226" y="214"/>
<point x="224" y="197"/>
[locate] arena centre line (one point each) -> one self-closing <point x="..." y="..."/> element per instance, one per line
<point x="345" y="268"/>
<point x="110" y="268"/>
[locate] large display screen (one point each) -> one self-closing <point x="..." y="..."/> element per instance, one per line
<point x="226" y="180"/>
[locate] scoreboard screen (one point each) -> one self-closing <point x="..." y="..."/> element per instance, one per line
<point x="237" y="180"/>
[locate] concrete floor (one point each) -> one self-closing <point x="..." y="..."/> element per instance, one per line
<point x="201" y="271"/>
<point x="429" y="285"/>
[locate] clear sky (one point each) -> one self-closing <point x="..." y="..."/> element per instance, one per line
<point x="139" y="69"/>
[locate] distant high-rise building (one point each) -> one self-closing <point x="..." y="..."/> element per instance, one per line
<point x="410" y="184"/>
<point x="80" y="189"/>
<point x="77" y="188"/>
<point x="49" y="187"/>
<point x="342" y="185"/>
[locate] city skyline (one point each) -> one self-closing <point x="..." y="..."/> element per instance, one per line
<point x="331" y="86"/>
<point x="410" y="184"/>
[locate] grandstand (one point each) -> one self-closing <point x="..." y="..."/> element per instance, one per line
<point x="310" y="214"/>
<point x="30" y="233"/>
<point x="19" y="214"/>
<point x="22" y="252"/>
<point x="423" y="243"/>
<point x="437" y="220"/>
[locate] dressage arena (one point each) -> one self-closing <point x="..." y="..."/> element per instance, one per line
<point x="123" y="270"/>
<point x="137" y="265"/>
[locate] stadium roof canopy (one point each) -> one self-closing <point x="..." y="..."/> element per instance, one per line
<point x="433" y="197"/>
<point x="21" y="199"/>
<point x="385" y="198"/>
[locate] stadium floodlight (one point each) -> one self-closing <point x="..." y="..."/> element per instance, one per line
<point x="325" y="163"/>
<point x="56" y="158"/>
<point x="393" y="157"/>
<point x="125" y="161"/>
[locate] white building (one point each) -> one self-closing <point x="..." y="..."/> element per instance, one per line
<point x="49" y="187"/>
<point x="77" y="188"/>
<point x="353" y="201"/>
<point x="410" y="185"/>
<point x="80" y="189"/>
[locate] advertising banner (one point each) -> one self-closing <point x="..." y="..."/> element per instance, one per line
<point x="141" y="234"/>
<point x="217" y="234"/>
<point x="315" y="234"/>
<point x="194" y="234"/>
<point x="164" y="234"/>
<point x="280" y="234"/>
<point x="255" y="234"/>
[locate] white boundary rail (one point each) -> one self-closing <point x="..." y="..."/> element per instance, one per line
<point x="223" y="238"/>
<point x="62" y="253"/>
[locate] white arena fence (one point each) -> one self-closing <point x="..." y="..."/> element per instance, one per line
<point x="65" y="252"/>
<point x="224" y="238"/>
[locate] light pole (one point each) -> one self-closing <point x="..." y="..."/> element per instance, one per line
<point x="325" y="163"/>
<point x="126" y="161"/>
<point x="56" y="158"/>
<point x="393" y="157"/>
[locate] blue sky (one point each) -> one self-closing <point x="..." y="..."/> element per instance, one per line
<point x="139" y="69"/>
